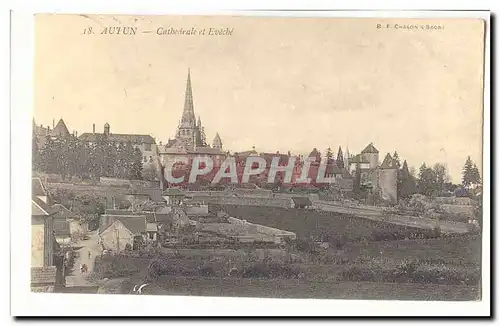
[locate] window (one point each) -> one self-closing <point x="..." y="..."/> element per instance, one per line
<point x="147" y="147"/>
<point x="145" y="159"/>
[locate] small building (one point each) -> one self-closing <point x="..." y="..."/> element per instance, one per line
<point x="152" y="232"/>
<point x="173" y="196"/>
<point x="301" y="202"/>
<point x="120" y="232"/>
<point x="77" y="228"/>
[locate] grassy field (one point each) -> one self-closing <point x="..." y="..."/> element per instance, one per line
<point x="286" y="288"/>
<point x="445" y="268"/>
<point x="307" y="223"/>
<point x="459" y="250"/>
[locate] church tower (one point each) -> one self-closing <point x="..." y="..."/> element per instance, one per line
<point x="187" y="130"/>
<point x="217" y="143"/>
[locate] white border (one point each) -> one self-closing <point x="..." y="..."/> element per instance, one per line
<point x="25" y="303"/>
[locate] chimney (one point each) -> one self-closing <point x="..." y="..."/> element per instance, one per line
<point x="53" y="123"/>
<point x="76" y="133"/>
<point x="93" y="128"/>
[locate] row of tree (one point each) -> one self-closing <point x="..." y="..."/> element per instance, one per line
<point x="71" y="157"/>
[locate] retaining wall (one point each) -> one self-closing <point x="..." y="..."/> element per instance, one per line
<point x="248" y="201"/>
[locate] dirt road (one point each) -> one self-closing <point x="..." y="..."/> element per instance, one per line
<point x="87" y="246"/>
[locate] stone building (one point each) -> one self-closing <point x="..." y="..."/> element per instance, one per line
<point x="145" y="143"/>
<point x="58" y="131"/>
<point x="43" y="244"/>
<point x="378" y="178"/>
<point x="190" y="139"/>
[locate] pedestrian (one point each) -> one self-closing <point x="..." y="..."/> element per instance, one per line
<point x="89" y="255"/>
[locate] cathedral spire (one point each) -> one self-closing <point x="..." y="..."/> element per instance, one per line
<point x="188" y="117"/>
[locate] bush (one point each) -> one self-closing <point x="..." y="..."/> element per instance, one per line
<point x="270" y="269"/>
<point x="206" y="271"/>
<point x="412" y="272"/>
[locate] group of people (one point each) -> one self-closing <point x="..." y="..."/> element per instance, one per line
<point x="83" y="267"/>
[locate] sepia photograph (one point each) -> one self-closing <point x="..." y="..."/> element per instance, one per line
<point x="258" y="157"/>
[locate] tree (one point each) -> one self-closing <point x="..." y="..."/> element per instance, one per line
<point x="357" y="179"/>
<point x="441" y="176"/>
<point x="48" y="156"/>
<point x="467" y="173"/>
<point x="426" y="181"/>
<point x="476" y="176"/>
<point x="149" y="172"/>
<point x="406" y="182"/>
<point x="136" y="171"/>
<point x="35" y="153"/>
<point x="340" y="158"/>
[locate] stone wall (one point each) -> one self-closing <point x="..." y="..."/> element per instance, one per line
<point x="466" y="210"/>
<point x="248" y="201"/>
<point x="453" y="200"/>
<point x="263" y="229"/>
<point x="387" y="183"/>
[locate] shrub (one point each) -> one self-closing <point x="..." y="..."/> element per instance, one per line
<point x="270" y="269"/>
<point x="206" y="271"/>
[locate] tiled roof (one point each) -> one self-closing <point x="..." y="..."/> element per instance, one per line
<point x="149" y="215"/>
<point x="369" y="149"/>
<point x="119" y="138"/>
<point x="43" y="275"/>
<point x="173" y="192"/>
<point x="268" y="157"/>
<point x="135" y="223"/>
<point x="151" y="227"/>
<point x="60" y="130"/>
<point x="39" y="208"/>
<point x="245" y="154"/>
<point x="316" y="155"/>
<point x="118" y="201"/>
<point x="206" y="150"/>
<point x="172" y="142"/>
<point x="155" y="194"/>
<point x="37" y="187"/>
<point x="62" y="212"/>
<point x="388" y="162"/>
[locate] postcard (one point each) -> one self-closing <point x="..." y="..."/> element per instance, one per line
<point x="258" y="157"/>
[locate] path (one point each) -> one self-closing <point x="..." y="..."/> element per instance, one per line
<point x="90" y="245"/>
<point x="377" y="215"/>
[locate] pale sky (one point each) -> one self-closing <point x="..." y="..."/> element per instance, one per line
<point x="274" y="83"/>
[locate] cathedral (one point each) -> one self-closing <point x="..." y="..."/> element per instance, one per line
<point x="190" y="139"/>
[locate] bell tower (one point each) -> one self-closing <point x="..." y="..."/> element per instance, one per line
<point x="186" y="131"/>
